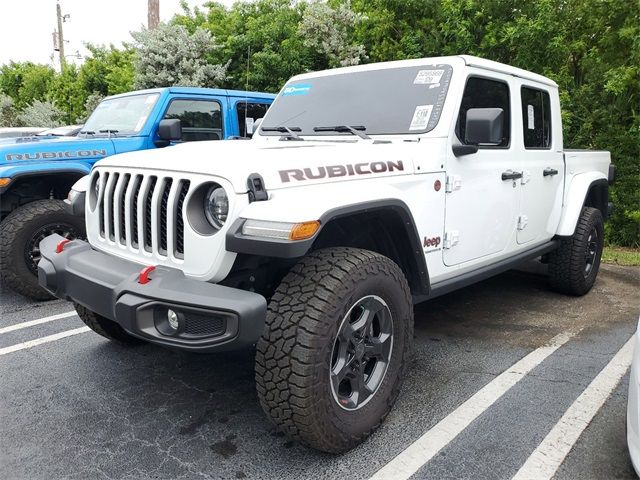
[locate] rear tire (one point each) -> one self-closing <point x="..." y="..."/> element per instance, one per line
<point x="331" y="361"/>
<point x="20" y="235"/>
<point x="574" y="266"/>
<point x="105" y="327"/>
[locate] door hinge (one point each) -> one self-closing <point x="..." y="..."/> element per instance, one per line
<point x="453" y="182"/>
<point x="451" y="238"/>
<point x="526" y="176"/>
<point x="523" y="220"/>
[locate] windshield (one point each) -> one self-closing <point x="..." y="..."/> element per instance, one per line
<point x="122" y="115"/>
<point x="385" y="102"/>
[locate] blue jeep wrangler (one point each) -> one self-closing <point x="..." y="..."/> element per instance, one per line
<point x="36" y="173"/>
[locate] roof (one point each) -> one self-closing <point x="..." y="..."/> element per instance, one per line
<point x="201" y="90"/>
<point x="507" y="69"/>
<point x="468" y="60"/>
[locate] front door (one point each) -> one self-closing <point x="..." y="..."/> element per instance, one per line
<point x="481" y="206"/>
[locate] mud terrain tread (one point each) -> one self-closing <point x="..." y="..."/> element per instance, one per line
<point x="566" y="263"/>
<point x="294" y="328"/>
<point x="105" y="327"/>
<point x="9" y="233"/>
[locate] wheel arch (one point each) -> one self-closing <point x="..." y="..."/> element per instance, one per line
<point x="37" y="185"/>
<point x="383" y="226"/>
<point x="584" y="190"/>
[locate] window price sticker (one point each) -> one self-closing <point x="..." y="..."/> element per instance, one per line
<point x="428" y="77"/>
<point x="421" y="117"/>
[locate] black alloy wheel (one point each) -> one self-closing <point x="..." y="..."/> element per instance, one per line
<point x="361" y="352"/>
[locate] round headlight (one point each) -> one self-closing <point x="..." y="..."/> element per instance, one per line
<point x="216" y="206"/>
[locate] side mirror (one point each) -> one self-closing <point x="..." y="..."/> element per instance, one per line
<point x="484" y="126"/>
<point x="169" y="130"/>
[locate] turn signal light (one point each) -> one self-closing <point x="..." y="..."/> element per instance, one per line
<point x="4" y="182"/>
<point x="302" y="231"/>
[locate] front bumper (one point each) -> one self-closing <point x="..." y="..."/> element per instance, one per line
<point x="211" y="317"/>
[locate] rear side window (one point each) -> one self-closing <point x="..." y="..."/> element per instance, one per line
<point x="536" y="118"/>
<point x="248" y="113"/>
<point x="485" y="93"/>
<point x="200" y="119"/>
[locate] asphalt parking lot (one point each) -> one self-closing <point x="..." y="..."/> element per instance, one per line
<point x="77" y="406"/>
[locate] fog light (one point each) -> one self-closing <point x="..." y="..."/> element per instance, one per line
<point x="172" y="317"/>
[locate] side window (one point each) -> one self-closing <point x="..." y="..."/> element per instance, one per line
<point x="200" y="119"/>
<point x="485" y="93"/>
<point x="536" y="118"/>
<point x="248" y="113"/>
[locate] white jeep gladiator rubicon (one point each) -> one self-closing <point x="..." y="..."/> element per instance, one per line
<point x="366" y="190"/>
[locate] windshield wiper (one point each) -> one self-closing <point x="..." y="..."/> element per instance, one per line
<point x="109" y="131"/>
<point x="87" y="132"/>
<point x="291" y="131"/>
<point x="355" y="130"/>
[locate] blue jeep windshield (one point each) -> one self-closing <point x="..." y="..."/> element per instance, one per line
<point x="388" y="101"/>
<point x="121" y="115"/>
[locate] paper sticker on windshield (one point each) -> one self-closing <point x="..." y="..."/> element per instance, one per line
<point x="421" y="117"/>
<point x="150" y="99"/>
<point x="299" y="89"/>
<point x="428" y="77"/>
<point x="531" y="123"/>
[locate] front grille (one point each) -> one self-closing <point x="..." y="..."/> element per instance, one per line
<point x="204" y="326"/>
<point x="143" y="212"/>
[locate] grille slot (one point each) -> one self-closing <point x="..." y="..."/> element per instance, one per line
<point x="164" y="207"/>
<point x="134" y="210"/>
<point x="184" y="189"/>
<point x="112" y="205"/>
<point x="147" y="214"/>
<point x="104" y="180"/>
<point x="123" y="207"/>
<point x="143" y="213"/>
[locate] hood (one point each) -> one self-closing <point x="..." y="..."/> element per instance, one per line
<point x="37" y="149"/>
<point x="281" y="164"/>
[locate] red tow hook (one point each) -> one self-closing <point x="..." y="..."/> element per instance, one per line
<point x="143" y="279"/>
<point x="61" y="244"/>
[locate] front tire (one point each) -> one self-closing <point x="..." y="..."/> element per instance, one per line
<point x="338" y="333"/>
<point x="20" y="236"/>
<point x="574" y="266"/>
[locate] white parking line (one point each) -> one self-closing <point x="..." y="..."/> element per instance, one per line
<point x="549" y="455"/>
<point x="40" y="341"/>
<point x="428" y="445"/>
<point x="39" y="321"/>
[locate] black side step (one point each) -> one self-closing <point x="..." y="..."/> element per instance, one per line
<point x="483" y="273"/>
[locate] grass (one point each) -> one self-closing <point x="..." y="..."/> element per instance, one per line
<point x="621" y="256"/>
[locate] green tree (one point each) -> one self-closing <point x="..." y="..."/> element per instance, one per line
<point x="171" y="55"/>
<point x="26" y="82"/>
<point x="41" y="114"/>
<point x="8" y="112"/>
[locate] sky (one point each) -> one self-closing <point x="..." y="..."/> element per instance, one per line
<point x="26" y="26"/>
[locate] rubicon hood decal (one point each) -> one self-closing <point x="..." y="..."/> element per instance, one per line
<point x="332" y="171"/>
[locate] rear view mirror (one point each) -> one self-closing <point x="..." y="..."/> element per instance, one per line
<point x="170" y="130"/>
<point x="484" y="126"/>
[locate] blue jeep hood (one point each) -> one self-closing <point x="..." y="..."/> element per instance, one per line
<point x="50" y="149"/>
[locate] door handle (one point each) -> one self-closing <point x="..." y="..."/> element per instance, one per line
<point x="511" y="175"/>
<point x="549" y="172"/>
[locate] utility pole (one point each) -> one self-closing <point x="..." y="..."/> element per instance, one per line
<point x="60" y="36"/>
<point x="153" y="14"/>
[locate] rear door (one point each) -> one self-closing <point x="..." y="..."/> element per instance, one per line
<point x="542" y="165"/>
<point x="481" y="207"/>
<point x="246" y="112"/>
